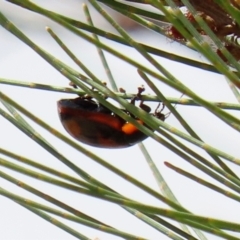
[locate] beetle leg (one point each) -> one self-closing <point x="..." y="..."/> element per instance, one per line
<point x="143" y="106"/>
<point x="158" y="106"/>
<point x="138" y="95"/>
<point x="158" y="113"/>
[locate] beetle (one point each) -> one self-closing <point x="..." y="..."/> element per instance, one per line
<point x="89" y="122"/>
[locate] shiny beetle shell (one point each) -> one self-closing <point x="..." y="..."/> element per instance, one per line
<point x="91" y="123"/>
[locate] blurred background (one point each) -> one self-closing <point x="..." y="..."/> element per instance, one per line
<point x="19" y="62"/>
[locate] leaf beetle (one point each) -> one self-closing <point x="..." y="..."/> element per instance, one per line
<point x="91" y="123"/>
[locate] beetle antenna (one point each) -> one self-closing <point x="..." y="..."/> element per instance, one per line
<point x="175" y="105"/>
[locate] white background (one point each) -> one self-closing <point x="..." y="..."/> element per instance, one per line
<point x="19" y="62"/>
